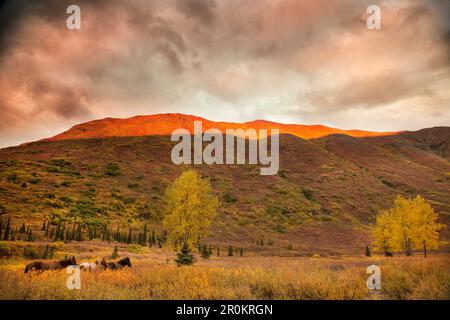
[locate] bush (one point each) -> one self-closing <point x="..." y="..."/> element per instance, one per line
<point x="308" y="195"/>
<point x="113" y="169"/>
<point x="135" y="248"/>
<point x="5" y="249"/>
<point x="30" y="252"/>
<point x="229" y="198"/>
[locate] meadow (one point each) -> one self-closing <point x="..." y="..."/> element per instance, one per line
<point x="155" y="276"/>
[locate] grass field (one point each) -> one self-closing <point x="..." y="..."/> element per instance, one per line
<point x="155" y="276"/>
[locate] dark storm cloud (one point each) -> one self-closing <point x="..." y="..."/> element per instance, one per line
<point x="234" y="60"/>
<point x="370" y="92"/>
<point x="202" y="10"/>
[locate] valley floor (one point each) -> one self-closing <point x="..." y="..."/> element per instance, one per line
<point x="154" y="275"/>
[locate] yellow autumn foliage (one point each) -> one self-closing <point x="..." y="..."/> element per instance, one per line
<point x="190" y="208"/>
<point x="409" y="224"/>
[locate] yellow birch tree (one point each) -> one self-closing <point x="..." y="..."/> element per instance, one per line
<point x="190" y="208"/>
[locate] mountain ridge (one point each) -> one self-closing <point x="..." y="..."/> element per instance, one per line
<point x="166" y="123"/>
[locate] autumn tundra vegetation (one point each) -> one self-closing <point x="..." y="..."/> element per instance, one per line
<point x="190" y="209"/>
<point x="338" y="204"/>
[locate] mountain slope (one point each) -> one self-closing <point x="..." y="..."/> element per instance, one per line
<point x="326" y="193"/>
<point x="165" y="124"/>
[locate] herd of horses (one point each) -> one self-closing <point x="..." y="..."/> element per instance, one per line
<point x="90" y="266"/>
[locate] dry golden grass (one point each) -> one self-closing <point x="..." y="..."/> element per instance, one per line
<point x="239" y="278"/>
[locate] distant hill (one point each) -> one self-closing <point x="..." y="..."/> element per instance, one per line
<point x="325" y="196"/>
<point x="165" y="124"/>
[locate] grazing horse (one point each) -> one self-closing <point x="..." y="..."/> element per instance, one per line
<point x="92" y="266"/>
<point x="52" y="265"/>
<point x="119" y="264"/>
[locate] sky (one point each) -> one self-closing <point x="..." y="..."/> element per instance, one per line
<point x="292" y="61"/>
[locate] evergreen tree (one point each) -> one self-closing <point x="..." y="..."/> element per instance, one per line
<point x="58" y="231"/>
<point x="368" y="251"/>
<point x="22" y="229"/>
<point x="230" y="251"/>
<point x="205" y="252"/>
<point x="1" y="228"/>
<point x="30" y="236"/>
<point x="153" y="237"/>
<point x="129" y="239"/>
<point x="115" y="253"/>
<point x="184" y="257"/>
<point x="210" y="250"/>
<point x="79" y="233"/>
<point x="144" y="236"/>
<point x="47" y="228"/>
<point x="117" y="235"/>
<point x="46" y="252"/>
<point x="241" y="252"/>
<point x="43" y="227"/>
<point x="7" y="229"/>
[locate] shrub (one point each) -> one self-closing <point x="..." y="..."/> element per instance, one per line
<point x="5" y="249"/>
<point x="308" y="195"/>
<point x="229" y="198"/>
<point x="113" y="169"/>
<point x="30" y="252"/>
<point x="135" y="248"/>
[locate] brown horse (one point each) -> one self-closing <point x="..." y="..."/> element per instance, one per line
<point x="51" y="265"/>
<point x="119" y="264"/>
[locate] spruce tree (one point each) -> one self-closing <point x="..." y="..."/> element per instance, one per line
<point x="205" y="252"/>
<point x="22" y="228"/>
<point x="230" y="251"/>
<point x="241" y="252"/>
<point x="115" y="253"/>
<point x="218" y="251"/>
<point x="1" y="228"/>
<point x="30" y="236"/>
<point x="129" y="239"/>
<point x="47" y="228"/>
<point x="46" y="252"/>
<point x="7" y="229"/>
<point x="368" y="252"/>
<point x="144" y="240"/>
<point x="153" y="237"/>
<point x="43" y="226"/>
<point x="184" y="257"/>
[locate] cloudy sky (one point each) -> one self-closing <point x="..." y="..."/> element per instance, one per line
<point x="294" y="61"/>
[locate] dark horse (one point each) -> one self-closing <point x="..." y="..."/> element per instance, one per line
<point x="51" y="265"/>
<point x="119" y="264"/>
